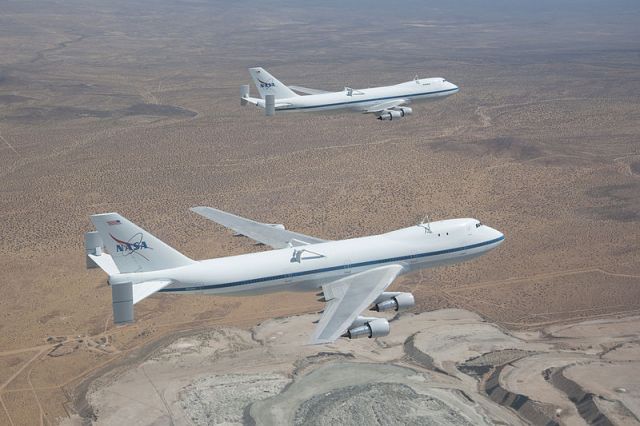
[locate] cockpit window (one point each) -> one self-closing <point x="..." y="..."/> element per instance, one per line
<point x="478" y="225"/>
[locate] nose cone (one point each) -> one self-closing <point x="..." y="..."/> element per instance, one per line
<point x="495" y="235"/>
<point x="453" y="88"/>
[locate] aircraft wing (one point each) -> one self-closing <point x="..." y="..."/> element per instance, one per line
<point x="383" y="106"/>
<point x="307" y="90"/>
<point x="270" y="234"/>
<point x="348" y="297"/>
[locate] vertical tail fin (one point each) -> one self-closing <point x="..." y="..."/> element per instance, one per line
<point x="132" y="248"/>
<point x="269" y="85"/>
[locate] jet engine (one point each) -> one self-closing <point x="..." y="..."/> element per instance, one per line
<point x="369" y="327"/>
<point x="395" y="301"/>
<point x="395" y="113"/>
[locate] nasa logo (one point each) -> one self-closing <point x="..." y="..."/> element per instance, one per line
<point x="265" y="85"/>
<point x="131" y="246"/>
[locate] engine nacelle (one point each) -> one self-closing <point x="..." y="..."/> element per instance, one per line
<point x="395" y="301"/>
<point x="377" y="327"/>
<point x="395" y="113"/>
<point x="390" y="115"/>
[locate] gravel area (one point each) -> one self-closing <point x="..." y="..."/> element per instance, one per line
<point x="377" y="403"/>
<point x="222" y="399"/>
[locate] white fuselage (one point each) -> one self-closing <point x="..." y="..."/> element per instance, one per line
<point x="362" y="99"/>
<point x="416" y="247"/>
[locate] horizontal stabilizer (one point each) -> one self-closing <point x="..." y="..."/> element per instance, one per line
<point x="307" y="90"/>
<point x="254" y="101"/>
<point x="106" y="263"/>
<point x="147" y="288"/>
<point x="261" y="102"/>
<point x="125" y="295"/>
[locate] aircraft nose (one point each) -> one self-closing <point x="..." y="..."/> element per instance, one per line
<point x="496" y="235"/>
<point x="454" y="87"/>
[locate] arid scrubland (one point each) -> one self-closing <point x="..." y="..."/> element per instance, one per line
<point x="133" y="107"/>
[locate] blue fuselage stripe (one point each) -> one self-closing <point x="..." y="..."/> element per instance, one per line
<point x="364" y="100"/>
<point x="334" y="268"/>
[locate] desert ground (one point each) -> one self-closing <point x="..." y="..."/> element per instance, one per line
<point x="132" y="106"/>
<point x="454" y="369"/>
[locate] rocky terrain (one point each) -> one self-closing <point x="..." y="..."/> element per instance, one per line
<point x="475" y="373"/>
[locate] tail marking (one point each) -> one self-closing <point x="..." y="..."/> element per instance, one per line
<point x="132" y="246"/>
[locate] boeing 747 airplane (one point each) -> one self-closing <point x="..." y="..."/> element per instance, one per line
<point x="386" y="103"/>
<point x="350" y="275"/>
